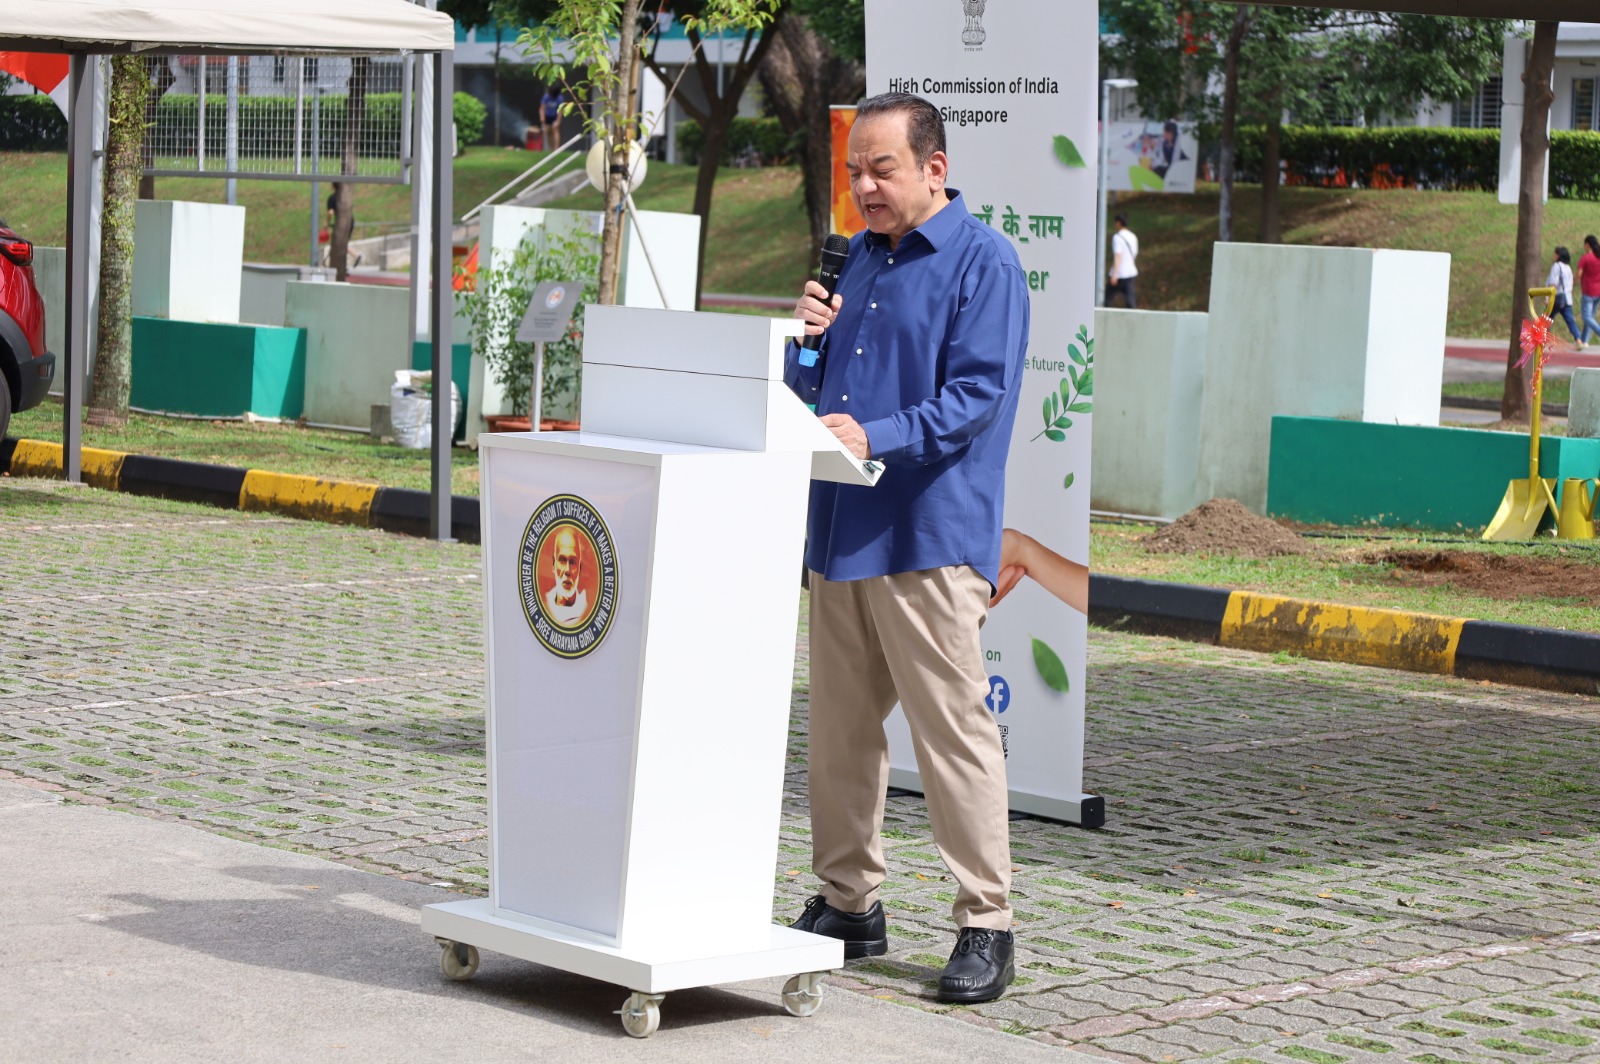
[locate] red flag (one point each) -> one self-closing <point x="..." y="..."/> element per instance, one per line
<point x="45" y="71"/>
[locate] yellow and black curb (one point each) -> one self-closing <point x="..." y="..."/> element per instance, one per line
<point x="1248" y="620"/>
<point x="1392" y="639"/>
<point x="314" y="498"/>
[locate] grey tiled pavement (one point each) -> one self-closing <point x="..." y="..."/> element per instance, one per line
<point x="1302" y="861"/>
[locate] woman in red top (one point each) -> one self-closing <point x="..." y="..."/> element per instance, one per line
<point x="1589" y="285"/>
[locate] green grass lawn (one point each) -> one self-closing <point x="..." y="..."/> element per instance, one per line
<point x="758" y="238"/>
<point x="1337" y="569"/>
<point x="758" y="242"/>
<point x="1341" y="569"/>
<point x="1176" y="234"/>
<point x="279" y="448"/>
<point x="1556" y="389"/>
<point x="33" y="198"/>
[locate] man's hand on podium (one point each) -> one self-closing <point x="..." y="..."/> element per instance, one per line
<point x="849" y="433"/>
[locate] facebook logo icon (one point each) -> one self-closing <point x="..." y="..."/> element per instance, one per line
<point x="999" y="696"/>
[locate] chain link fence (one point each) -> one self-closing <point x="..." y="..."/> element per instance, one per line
<point x="296" y="118"/>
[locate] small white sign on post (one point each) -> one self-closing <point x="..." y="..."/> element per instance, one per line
<point x="549" y="313"/>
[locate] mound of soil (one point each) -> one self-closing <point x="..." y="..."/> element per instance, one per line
<point x="1503" y="576"/>
<point x="1224" y="526"/>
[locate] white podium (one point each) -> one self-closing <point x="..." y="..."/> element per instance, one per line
<point x="641" y="593"/>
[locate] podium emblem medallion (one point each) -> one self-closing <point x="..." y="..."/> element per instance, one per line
<point x="567" y="576"/>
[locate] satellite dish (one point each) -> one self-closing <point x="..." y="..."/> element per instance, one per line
<point x="599" y="161"/>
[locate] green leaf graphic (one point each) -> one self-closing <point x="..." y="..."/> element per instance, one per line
<point x="1075" y="354"/>
<point x="1055" y="435"/>
<point x="1051" y="670"/>
<point x="1048" y="416"/>
<point x="1068" y="482"/>
<point x="1086" y="382"/>
<point x="1067" y="153"/>
<point x="1081" y="408"/>
<point x="1143" y="179"/>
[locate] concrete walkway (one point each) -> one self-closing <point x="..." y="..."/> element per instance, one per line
<point x="131" y="939"/>
<point x="1302" y="861"/>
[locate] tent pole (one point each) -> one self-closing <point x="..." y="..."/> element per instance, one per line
<point x="80" y="188"/>
<point x="443" y="294"/>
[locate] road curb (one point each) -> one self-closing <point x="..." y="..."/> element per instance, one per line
<point x="1395" y="639"/>
<point x="347" y="502"/>
<point x="1247" y="620"/>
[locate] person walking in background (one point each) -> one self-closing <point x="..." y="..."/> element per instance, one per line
<point x="1561" y="280"/>
<point x="549" y="118"/>
<point x="1589" y="286"/>
<point x="1124" y="264"/>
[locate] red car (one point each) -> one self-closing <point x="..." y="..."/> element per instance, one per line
<point x="26" y="368"/>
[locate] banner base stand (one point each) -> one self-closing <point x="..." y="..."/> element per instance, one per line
<point x="1086" y="811"/>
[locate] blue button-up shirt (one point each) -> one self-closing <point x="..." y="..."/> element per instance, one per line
<point x="926" y="354"/>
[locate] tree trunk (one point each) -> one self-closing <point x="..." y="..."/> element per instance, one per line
<point x="620" y="138"/>
<point x="1537" y="97"/>
<point x="124" y="161"/>
<point x="801" y="76"/>
<point x="344" y="212"/>
<point x="1271" y="153"/>
<point x="1230" y="123"/>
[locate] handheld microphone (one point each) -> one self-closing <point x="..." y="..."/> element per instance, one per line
<point x="835" y="250"/>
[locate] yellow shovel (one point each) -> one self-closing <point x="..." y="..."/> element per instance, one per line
<point x="1526" y="501"/>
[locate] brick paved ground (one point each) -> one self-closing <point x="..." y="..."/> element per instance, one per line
<point x="1303" y="862"/>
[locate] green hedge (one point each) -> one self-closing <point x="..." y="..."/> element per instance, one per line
<point x="1409" y="157"/>
<point x="761" y="141"/>
<point x="1575" y="165"/>
<point x="1395" y="157"/>
<point x="266" y="124"/>
<point x="470" y="115"/>
<point x="31" y="123"/>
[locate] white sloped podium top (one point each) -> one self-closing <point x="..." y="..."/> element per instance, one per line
<point x="708" y="380"/>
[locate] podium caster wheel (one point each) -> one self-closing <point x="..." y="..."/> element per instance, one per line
<point x="802" y="995"/>
<point x="457" y="960"/>
<point x="641" y="1014"/>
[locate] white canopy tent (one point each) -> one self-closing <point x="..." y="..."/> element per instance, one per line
<point x="84" y="28"/>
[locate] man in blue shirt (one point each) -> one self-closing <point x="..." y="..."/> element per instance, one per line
<point x="921" y="356"/>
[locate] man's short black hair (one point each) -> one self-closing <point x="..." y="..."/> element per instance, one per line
<point x="1122" y="220"/>
<point x="924" y="127"/>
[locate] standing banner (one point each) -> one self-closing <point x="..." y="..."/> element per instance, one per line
<point x="847" y="221"/>
<point x="1016" y="83"/>
<point x="1151" y="156"/>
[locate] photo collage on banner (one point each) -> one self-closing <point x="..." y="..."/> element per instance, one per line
<point x="1015" y="81"/>
<point x="1151" y="156"/>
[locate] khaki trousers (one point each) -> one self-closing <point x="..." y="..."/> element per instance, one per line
<point x="911" y="637"/>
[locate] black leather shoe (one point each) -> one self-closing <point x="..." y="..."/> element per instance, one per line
<point x="864" y="934"/>
<point x="981" y="967"/>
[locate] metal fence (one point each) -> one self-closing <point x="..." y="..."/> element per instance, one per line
<point x="280" y="117"/>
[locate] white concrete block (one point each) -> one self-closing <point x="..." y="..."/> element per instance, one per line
<point x="672" y="242"/>
<point x="1583" y="408"/>
<point x="1149" y="379"/>
<point x="187" y="260"/>
<point x="1354" y="333"/>
<point x="264" y="286"/>
<point x="356" y="337"/>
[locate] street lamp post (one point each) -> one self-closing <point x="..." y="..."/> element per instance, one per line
<point x="1100" y="207"/>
